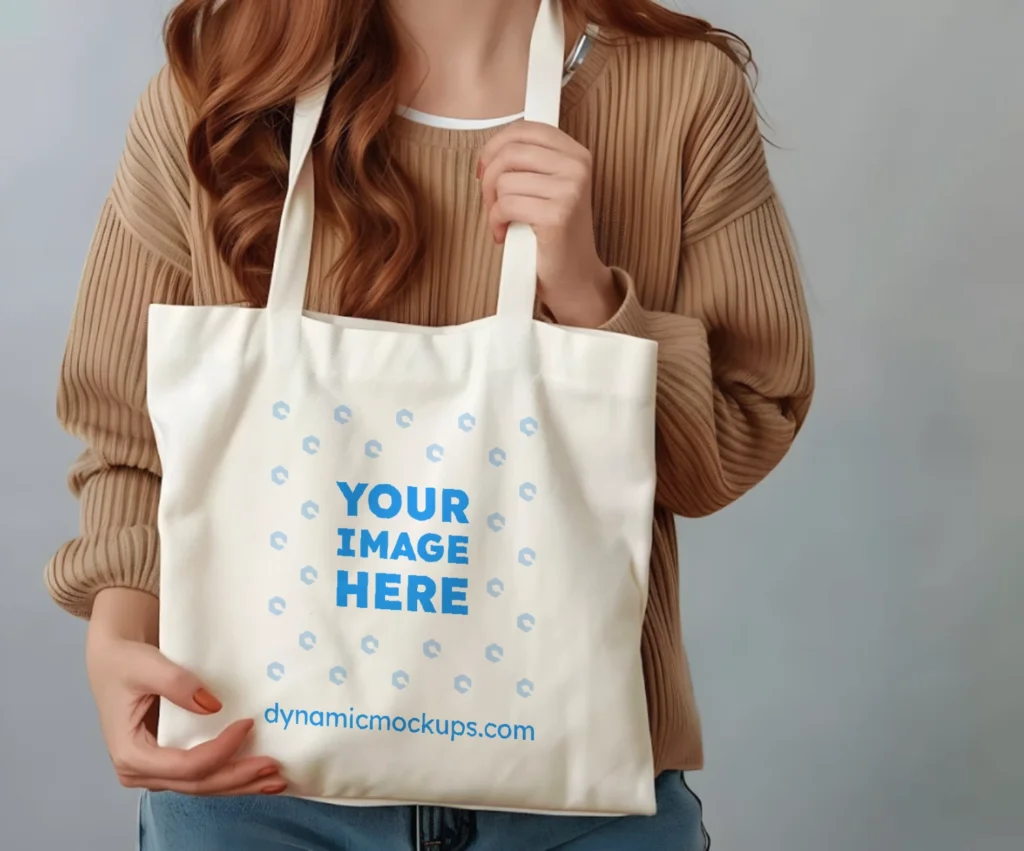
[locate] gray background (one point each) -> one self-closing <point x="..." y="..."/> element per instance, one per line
<point x="855" y="623"/>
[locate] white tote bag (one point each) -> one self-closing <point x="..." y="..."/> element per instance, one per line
<point x="417" y="556"/>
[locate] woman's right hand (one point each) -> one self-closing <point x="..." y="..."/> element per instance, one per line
<point x="128" y="675"/>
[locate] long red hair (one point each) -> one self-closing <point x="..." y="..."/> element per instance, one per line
<point x="239" y="65"/>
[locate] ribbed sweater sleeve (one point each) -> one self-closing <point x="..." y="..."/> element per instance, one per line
<point x="735" y="364"/>
<point x="139" y="256"/>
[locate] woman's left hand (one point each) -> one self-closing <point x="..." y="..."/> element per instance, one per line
<point x="536" y="174"/>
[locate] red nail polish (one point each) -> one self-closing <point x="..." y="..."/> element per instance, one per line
<point x="206" y="701"/>
<point x="268" y="771"/>
<point x="274" y="789"/>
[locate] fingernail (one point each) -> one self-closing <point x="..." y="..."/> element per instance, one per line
<point x="269" y="770"/>
<point x="274" y="789"/>
<point x="206" y="701"/>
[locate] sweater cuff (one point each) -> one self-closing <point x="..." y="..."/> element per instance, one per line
<point x="118" y="545"/>
<point x="630" y="318"/>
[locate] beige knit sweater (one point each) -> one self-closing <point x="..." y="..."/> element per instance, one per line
<point x="684" y="210"/>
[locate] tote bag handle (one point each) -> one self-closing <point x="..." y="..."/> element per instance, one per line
<point x="518" y="283"/>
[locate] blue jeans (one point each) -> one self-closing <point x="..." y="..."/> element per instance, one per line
<point x="171" y="822"/>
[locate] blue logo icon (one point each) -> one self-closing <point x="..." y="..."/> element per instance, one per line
<point x="435" y="453"/>
<point x="494" y="653"/>
<point x="275" y="670"/>
<point x="343" y="414"/>
<point x="495" y="587"/>
<point x="496" y="522"/>
<point x="467" y="422"/>
<point x="404" y="418"/>
<point x="311" y="445"/>
<point x="527" y="557"/>
<point x="308" y="574"/>
<point x="399" y="679"/>
<point x="338" y="675"/>
<point x="463" y="684"/>
<point x="497" y="456"/>
<point x="524" y="688"/>
<point x="307" y="641"/>
<point x="529" y="426"/>
<point x="281" y="410"/>
<point x="277" y="605"/>
<point x="527" y="491"/>
<point x="373" y="449"/>
<point x="278" y="540"/>
<point x="526" y="622"/>
<point x="310" y="510"/>
<point x="279" y="475"/>
<point x="369" y="645"/>
<point x="431" y="649"/>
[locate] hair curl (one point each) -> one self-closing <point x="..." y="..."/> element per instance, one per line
<point x="240" y="65"/>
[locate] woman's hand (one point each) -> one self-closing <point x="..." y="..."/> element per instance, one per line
<point x="127" y="674"/>
<point x="536" y="174"/>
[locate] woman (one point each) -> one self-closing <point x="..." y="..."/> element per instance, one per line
<point x="655" y="217"/>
